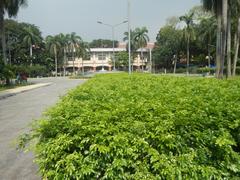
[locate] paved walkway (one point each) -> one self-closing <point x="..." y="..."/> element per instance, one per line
<point x="16" y="113"/>
<point x="11" y="92"/>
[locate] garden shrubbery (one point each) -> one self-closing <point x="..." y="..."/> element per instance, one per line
<point x="142" y="127"/>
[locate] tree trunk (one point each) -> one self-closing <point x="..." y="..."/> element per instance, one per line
<point x="64" y="63"/>
<point x="235" y="39"/>
<point x="56" y="65"/>
<point x="31" y="55"/>
<point x="188" y="52"/>
<point x="236" y="49"/>
<point x="209" y="56"/>
<point x="142" y="59"/>
<point x="83" y="67"/>
<point x="151" y="64"/>
<point x="229" y="41"/>
<point x="2" y="36"/>
<point x="73" y="59"/>
<point x="224" y="35"/>
<point x="219" y="35"/>
<point x="175" y="64"/>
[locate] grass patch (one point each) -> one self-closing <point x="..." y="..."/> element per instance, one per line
<point x="142" y="127"/>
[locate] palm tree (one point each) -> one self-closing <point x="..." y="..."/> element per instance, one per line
<point x="54" y="47"/>
<point x="82" y="51"/>
<point x="11" y="8"/>
<point x="220" y="9"/>
<point x="141" y="38"/>
<point x="207" y="29"/>
<point x="30" y="39"/>
<point x="133" y="43"/>
<point x="188" y="19"/>
<point x="75" y="42"/>
<point x="64" y="41"/>
<point x="236" y="48"/>
<point x="236" y="13"/>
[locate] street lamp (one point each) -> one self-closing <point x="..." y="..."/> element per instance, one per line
<point x="113" y="33"/>
<point x="129" y="39"/>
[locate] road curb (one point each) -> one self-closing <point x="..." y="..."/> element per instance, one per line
<point x="12" y="92"/>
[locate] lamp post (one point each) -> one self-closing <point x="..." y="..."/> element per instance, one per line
<point x="113" y="33"/>
<point x="129" y="39"/>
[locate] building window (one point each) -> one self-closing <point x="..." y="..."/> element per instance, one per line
<point x="101" y="56"/>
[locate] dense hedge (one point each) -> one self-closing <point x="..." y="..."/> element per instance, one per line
<point x="143" y="127"/>
<point x="32" y="71"/>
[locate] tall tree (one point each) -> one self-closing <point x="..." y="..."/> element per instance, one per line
<point x="10" y="7"/>
<point x="224" y="34"/>
<point x="75" y="42"/>
<point x="236" y="13"/>
<point x="141" y="38"/>
<point x="188" y="19"/>
<point x="220" y="9"/>
<point x="54" y="47"/>
<point x="133" y="44"/>
<point x="229" y="42"/>
<point x="65" y="48"/>
<point x="167" y="45"/>
<point x="207" y="33"/>
<point x="31" y="40"/>
<point x="133" y="41"/>
<point x="82" y="51"/>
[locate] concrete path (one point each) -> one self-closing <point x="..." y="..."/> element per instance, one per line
<point x="16" y="113"/>
<point x="11" y="92"/>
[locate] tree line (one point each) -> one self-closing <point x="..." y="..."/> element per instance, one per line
<point x="207" y="35"/>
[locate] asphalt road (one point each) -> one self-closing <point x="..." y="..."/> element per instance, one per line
<point x="16" y="113"/>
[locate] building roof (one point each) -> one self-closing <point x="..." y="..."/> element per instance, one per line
<point x="150" y="45"/>
<point x="122" y="48"/>
<point x="107" y="49"/>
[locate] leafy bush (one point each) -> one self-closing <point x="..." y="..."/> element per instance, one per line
<point x="32" y="71"/>
<point x="38" y="70"/>
<point x="206" y="70"/>
<point x="238" y="70"/>
<point x="142" y="127"/>
<point x="6" y="72"/>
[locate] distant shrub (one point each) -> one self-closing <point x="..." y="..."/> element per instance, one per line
<point x="32" y="71"/>
<point x="142" y="127"/>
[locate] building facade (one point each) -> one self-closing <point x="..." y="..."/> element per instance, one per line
<point x="102" y="59"/>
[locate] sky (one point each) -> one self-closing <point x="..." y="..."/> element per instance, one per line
<point x="81" y="16"/>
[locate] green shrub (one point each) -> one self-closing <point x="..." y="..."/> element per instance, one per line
<point x="6" y="72"/>
<point x="238" y="70"/>
<point x="32" y="71"/>
<point x="142" y="127"/>
<point x="206" y="70"/>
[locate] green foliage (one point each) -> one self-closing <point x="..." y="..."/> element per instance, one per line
<point x="121" y="59"/>
<point x="102" y="43"/>
<point x="19" y="36"/>
<point x="168" y="44"/>
<point x="142" y="127"/>
<point x="200" y="31"/>
<point x="5" y="71"/>
<point x="32" y="71"/>
<point x="206" y="70"/>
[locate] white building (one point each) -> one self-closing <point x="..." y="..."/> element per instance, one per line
<point x="101" y="58"/>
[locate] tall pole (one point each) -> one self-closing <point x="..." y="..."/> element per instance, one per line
<point x="102" y="54"/>
<point x="150" y="60"/>
<point x="113" y="34"/>
<point x="114" y="62"/>
<point x="129" y="39"/>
